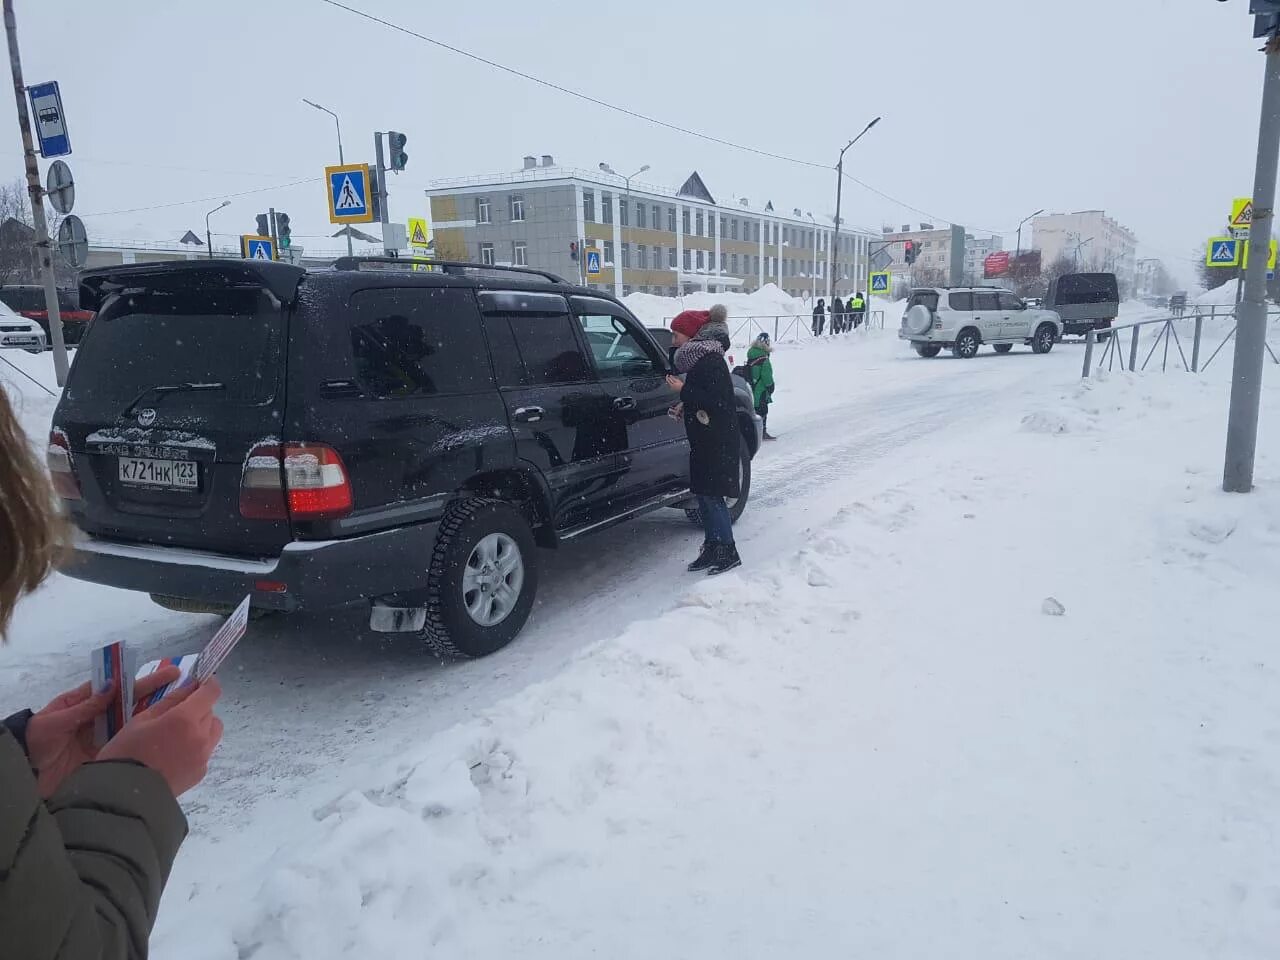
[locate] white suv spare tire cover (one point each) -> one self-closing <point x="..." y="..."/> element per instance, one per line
<point x="918" y="319"/>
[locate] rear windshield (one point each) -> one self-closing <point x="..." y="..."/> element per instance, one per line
<point x="1087" y="288"/>
<point x="928" y="298"/>
<point x="22" y="298"/>
<point x="144" y="339"/>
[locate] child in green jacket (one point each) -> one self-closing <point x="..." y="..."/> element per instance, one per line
<point x="760" y="366"/>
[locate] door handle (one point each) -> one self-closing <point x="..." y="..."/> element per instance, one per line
<point x="529" y="414"/>
<point x="624" y="403"/>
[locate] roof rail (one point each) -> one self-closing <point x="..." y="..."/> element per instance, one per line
<point x="450" y="266"/>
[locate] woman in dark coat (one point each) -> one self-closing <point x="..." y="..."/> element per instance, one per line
<point x="710" y="420"/>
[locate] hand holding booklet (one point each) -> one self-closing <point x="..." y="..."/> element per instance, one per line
<point x="113" y="670"/>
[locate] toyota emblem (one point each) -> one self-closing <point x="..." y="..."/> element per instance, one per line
<point x="146" y="417"/>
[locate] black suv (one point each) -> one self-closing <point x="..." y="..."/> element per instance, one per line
<point x="362" y="434"/>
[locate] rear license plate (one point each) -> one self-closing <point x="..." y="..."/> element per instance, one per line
<point x="168" y="474"/>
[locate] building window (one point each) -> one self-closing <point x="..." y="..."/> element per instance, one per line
<point x="671" y="257"/>
<point x="698" y="223"/>
<point x="606" y="207"/>
<point x="755" y="268"/>
<point x="671" y="219"/>
<point x="657" y="258"/>
<point x="701" y="261"/>
<point x="733" y="228"/>
<point x="624" y="214"/>
<point x="755" y="232"/>
<point x="520" y="254"/>
<point x="724" y="263"/>
<point x="640" y="211"/>
<point x="642" y="256"/>
<point x="608" y="251"/>
<point x="733" y="261"/>
<point x="724" y="226"/>
<point x="684" y="220"/>
<point x="688" y="260"/>
<point x="626" y="256"/>
<point x="589" y="206"/>
<point x="483" y="212"/>
<point x="517" y="209"/>
<point x="486" y="253"/>
<point x="626" y="290"/>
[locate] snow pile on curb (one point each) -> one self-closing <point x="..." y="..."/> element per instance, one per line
<point x="768" y="301"/>
<point x="877" y="745"/>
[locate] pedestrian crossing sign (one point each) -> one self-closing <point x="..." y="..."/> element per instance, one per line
<point x="1223" y="252"/>
<point x="418" y="233"/>
<point x="880" y="284"/>
<point x="257" y="248"/>
<point x="349" y="200"/>
<point x="594" y="269"/>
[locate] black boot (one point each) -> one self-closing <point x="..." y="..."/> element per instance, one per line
<point x="725" y="559"/>
<point x="705" y="558"/>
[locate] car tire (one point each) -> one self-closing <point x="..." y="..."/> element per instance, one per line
<point x="1003" y="347"/>
<point x="738" y="505"/>
<point x="928" y="350"/>
<point x="474" y="534"/>
<point x="1043" y="341"/>
<point x="967" y="343"/>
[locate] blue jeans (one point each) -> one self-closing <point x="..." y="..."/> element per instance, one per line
<point x="715" y="519"/>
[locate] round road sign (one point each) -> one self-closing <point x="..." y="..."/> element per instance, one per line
<point x="73" y="242"/>
<point x="61" y="187"/>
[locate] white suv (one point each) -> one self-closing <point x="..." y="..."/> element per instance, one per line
<point x="964" y="318"/>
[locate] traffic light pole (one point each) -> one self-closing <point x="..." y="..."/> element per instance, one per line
<point x="381" y="166"/>
<point x="43" y="259"/>
<point x="1251" y="316"/>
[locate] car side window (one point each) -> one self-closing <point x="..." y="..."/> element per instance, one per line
<point x="417" y="341"/>
<point x="547" y="347"/>
<point x="986" y="301"/>
<point x="507" y="365"/>
<point x="1009" y="302"/>
<point x="616" y="349"/>
<point x="962" y="302"/>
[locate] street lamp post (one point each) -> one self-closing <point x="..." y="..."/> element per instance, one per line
<point x="1020" y="226"/>
<point x="208" y="234"/>
<point x="835" y="239"/>
<point x="612" y="172"/>
<point x="1080" y="244"/>
<point x="341" y="159"/>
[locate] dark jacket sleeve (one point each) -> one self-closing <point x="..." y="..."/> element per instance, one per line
<point x="81" y="876"/>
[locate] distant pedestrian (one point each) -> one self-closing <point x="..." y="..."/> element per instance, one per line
<point x="710" y="420"/>
<point x="819" y="317"/>
<point x="88" y="835"/>
<point x="838" y="317"/>
<point x="760" y="368"/>
<point x="858" y="308"/>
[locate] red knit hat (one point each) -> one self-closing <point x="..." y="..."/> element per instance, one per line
<point x="690" y="322"/>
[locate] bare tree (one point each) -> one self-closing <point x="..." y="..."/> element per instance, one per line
<point x="17" y="259"/>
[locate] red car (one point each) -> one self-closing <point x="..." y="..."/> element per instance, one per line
<point x="27" y="299"/>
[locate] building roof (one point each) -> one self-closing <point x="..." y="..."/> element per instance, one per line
<point x="695" y="189"/>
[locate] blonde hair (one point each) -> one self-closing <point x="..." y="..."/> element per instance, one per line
<point x="30" y="526"/>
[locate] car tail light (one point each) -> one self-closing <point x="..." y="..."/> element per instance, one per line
<point x="302" y="481"/>
<point x="61" y="470"/>
<point x="317" y="482"/>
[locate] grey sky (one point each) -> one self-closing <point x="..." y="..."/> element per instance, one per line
<point x="1147" y="108"/>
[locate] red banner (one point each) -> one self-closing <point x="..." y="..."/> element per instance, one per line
<point x="996" y="265"/>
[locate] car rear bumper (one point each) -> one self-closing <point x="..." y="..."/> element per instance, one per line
<point x="308" y="575"/>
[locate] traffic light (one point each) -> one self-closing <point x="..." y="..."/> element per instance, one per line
<point x="264" y="225"/>
<point x="396" y="142"/>
<point x="283" y="231"/>
<point x="909" y="252"/>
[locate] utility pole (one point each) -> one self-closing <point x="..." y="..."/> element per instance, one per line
<point x="1251" y="316"/>
<point x="835" y="238"/>
<point x="381" y="166"/>
<point x="43" y="259"/>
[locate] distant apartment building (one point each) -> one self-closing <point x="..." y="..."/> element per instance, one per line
<point x="1091" y="240"/>
<point x="933" y="250"/>
<point x="650" y="239"/>
<point x="976" y="251"/>
<point x="1151" y="279"/>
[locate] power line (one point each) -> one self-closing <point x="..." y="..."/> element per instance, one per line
<point x="220" y="196"/>
<point x="571" y="92"/>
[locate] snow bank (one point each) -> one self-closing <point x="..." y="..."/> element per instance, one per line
<point x="873" y="744"/>
<point x="768" y="301"/>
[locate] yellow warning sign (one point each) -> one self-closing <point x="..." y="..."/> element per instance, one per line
<point x="419" y="234"/>
<point x="1271" y="260"/>
<point x="1241" y="213"/>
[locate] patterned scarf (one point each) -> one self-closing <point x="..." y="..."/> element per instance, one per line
<point x="688" y="356"/>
